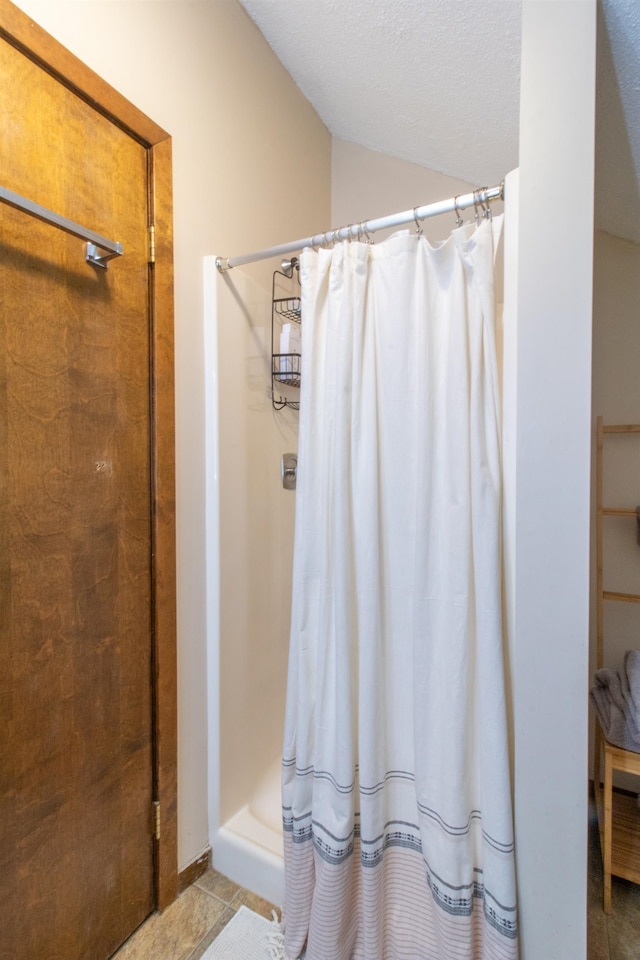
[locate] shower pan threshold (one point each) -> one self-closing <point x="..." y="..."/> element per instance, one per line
<point x="248" y="847"/>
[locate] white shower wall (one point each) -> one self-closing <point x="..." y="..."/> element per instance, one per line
<point x="249" y="556"/>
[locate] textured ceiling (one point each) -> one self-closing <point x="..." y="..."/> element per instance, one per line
<point x="424" y="80"/>
<point x="437" y="82"/>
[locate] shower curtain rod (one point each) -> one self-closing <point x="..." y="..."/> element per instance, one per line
<point x="355" y="231"/>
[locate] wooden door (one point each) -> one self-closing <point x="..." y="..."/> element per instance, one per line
<point x="78" y="510"/>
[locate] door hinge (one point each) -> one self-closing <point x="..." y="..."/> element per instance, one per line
<point x="155" y="819"/>
<point x="152" y="243"/>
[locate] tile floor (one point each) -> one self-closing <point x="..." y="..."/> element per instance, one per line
<point x="615" y="936"/>
<point x="191" y="924"/>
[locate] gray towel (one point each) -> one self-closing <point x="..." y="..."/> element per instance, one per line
<point x="616" y="697"/>
<point x="632" y="673"/>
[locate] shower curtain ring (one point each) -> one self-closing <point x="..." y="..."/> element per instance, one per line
<point x="481" y="203"/>
<point x="486" y="205"/>
<point x="459" y="220"/>
<point x="419" y="229"/>
<point x="476" y="200"/>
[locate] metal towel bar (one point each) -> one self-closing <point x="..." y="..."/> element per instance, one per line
<point x="98" y="249"/>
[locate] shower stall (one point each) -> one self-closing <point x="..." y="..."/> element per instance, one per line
<point x="249" y="558"/>
<point x="250" y="521"/>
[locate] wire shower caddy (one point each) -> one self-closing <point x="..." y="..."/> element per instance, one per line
<point x="285" y="367"/>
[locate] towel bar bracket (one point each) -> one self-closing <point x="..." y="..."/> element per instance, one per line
<point x="99" y="257"/>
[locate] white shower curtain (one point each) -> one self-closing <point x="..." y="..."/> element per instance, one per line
<point x="396" y="796"/>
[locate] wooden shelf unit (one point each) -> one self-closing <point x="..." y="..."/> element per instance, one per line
<point x="618" y="813"/>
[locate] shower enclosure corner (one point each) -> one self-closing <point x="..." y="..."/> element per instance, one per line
<point x="249" y="536"/>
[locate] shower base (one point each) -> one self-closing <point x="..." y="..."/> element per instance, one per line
<point x="248" y="847"/>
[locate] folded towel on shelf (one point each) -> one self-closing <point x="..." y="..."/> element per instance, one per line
<point x="632" y="674"/>
<point x="616" y="697"/>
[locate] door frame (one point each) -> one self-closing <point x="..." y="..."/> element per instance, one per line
<point x="21" y="32"/>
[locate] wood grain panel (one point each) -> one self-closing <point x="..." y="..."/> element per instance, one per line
<point x="164" y="533"/>
<point x="20" y="30"/>
<point x="77" y="786"/>
<point x="68" y="69"/>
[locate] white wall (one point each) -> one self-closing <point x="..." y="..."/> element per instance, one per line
<point x="203" y="72"/>
<point x="552" y="472"/>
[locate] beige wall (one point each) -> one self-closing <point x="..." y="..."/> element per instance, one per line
<point x="366" y="184"/>
<point x="255" y="543"/>
<point x="616" y="330"/>
<point x="251" y="168"/>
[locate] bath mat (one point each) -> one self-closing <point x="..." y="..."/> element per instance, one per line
<point x="247" y="936"/>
